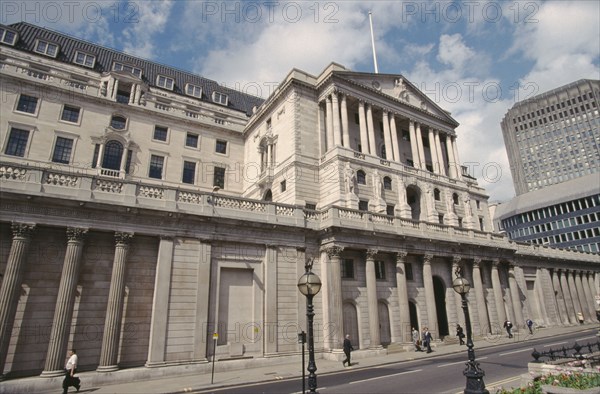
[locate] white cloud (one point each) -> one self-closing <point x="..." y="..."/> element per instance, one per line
<point x="139" y="37"/>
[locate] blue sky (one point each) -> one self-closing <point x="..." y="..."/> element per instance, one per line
<point x="473" y="58"/>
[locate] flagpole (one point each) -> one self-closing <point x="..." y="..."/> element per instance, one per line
<point x="373" y="43"/>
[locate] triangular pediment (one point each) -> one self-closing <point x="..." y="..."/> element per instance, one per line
<point x="398" y="88"/>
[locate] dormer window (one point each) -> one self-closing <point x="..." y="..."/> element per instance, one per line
<point x="193" y="90"/>
<point x="46" y="48"/>
<point x="127" y="68"/>
<point x="84" y="59"/>
<point x="219" y="98"/>
<point x="8" y="37"/>
<point x="165" y="82"/>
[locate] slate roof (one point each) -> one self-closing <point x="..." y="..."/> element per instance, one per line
<point x="105" y="57"/>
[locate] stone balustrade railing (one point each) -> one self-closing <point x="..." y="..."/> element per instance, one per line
<point x="83" y="186"/>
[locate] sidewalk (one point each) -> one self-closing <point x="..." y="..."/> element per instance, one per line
<point x="186" y="378"/>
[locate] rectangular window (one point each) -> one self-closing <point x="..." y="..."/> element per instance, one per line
<point x="363" y="205"/>
<point x="380" y="269"/>
<point x="84" y="59"/>
<point x="409" y="271"/>
<point x="219" y="98"/>
<point x="165" y="82"/>
<point x="7" y="36"/>
<point x="124" y="67"/>
<point x="156" y="166"/>
<point x="221" y="147"/>
<point x="27" y="104"/>
<point x="389" y="210"/>
<point x="46" y="48"/>
<point x="347" y="269"/>
<point x="70" y="114"/>
<point x="310" y="206"/>
<point x="191" y="140"/>
<point x="189" y="172"/>
<point x="95" y="156"/>
<point x="193" y="90"/>
<point x="160" y="133"/>
<point x="283" y="186"/>
<point x="17" y="142"/>
<point x="62" y="150"/>
<point x="219" y="177"/>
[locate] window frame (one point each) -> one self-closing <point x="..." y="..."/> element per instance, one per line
<point x="166" y="134"/>
<point x="380" y="270"/>
<point x="85" y="58"/>
<point x="183" y="171"/>
<point x="217" y="98"/>
<point x="20" y="127"/>
<point x="361" y="177"/>
<point x="3" y="33"/>
<point x="163" y="165"/>
<point x="216" y="177"/>
<point x="110" y="124"/>
<point x="72" y="138"/>
<point x="194" y="87"/>
<point x="348" y="263"/>
<point x="167" y="85"/>
<point x="217" y="141"/>
<point x="62" y="112"/>
<point x="187" y="135"/>
<point x="387" y="183"/>
<point x="37" y="105"/>
<point x="48" y="44"/>
<point x="123" y="67"/>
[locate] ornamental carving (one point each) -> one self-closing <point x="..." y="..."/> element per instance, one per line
<point x="427" y="258"/>
<point x="76" y="234"/>
<point x="371" y="253"/>
<point x="334" y="251"/>
<point x="22" y="230"/>
<point x="476" y="262"/>
<point x="456" y="260"/>
<point x="401" y="257"/>
<point x="123" y="239"/>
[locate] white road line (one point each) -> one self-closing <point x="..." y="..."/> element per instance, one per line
<point x="592" y="337"/>
<point x="554" y="344"/>
<point x="516" y="351"/>
<point x="459" y="362"/>
<point x="386" y="376"/>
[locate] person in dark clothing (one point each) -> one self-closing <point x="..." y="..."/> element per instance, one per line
<point x="530" y="325"/>
<point x="460" y="334"/>
<point x="508" y="325"/>
<point x="347" y="349"/>
<point x="427" y="340"/>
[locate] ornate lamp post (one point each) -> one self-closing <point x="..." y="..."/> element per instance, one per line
<point x="474" y="374"/>
<point x="309" y="284"/>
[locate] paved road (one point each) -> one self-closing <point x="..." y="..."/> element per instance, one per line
<point x="503" y="365"/>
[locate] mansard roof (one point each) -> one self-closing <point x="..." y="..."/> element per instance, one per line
<point x="105" y="57"/>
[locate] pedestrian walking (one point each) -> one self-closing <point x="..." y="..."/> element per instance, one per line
<point x="347" y="350"/>
<point x="416" y="338"/>
<point x="460" y="334"/>
<point x="580" y="317"/>
<point x="427" y="339"/>
<point x="530" y="325"/>
<point x="70" y="370"/>
<point x="508" y="325"/>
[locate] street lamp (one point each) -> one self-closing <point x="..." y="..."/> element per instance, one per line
<point x="474" y="374"/>
<point x="309" y="284"/>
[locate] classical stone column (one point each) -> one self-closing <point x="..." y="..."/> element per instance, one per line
<point x="63" y="312"/>
<point x="547" y="297"/>
<point x="591" y="302"/>
<point x="452" y="168"/>
<point x="432" y="149"/>
<point x="346" y="132"/>
<point x="430" y="295"/>
<point x="405" y="328"/>
<point x="455" y="149"/>
<point x="564" y="282"/>
<point x="389" y="152"/>
<point x="11" y="285"/>
<point x="592" y="289"/>
<point x="371" y="131"/>
<point x="560" y="299"/>
<point x="420" y="147"/>
<point x="202" y="301"/>
<point x="498" y="299"/>
<point x="585" y="306"/>
<point x="321" y="127"/>
<point x="334" y="297"/>
<point x="457" y="298"/>
<point x="484" y="323"/>
<point x="329" y="123"/>
<point x="100" y="155"/>
<point x="114" y="311"/>
<point x="270" y="300"/>
<point x="372" y="300"/>
<point x="438" y="148"/>
<point x="516" y="297"/>
<point x="395" y="144"/>
<point x="337" y="133"/>
<point x="364" y="139"/>
<point x="160" y="303"/>
<point x="574" y="296"/>
<point x="413" y="144"/>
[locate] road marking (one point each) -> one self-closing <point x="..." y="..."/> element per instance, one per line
<point x="459" y="362"/>
<point x="592" y="337"/>
<point x="554" y="344"/>
<point x="386" y="376"/>
<point x="516" y="351"/>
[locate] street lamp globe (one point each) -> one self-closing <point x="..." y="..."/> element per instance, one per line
<point x="461" y="285"/>
<point x="309" y="284"/>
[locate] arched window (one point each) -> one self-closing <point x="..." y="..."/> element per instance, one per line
<point x="455" y="198"/>
<point x="387" y="183"/>
<point x="118" y="122"/>
<point x="436" y="194"/>
<point x="361" y="177"/>
<point x="113" y="153"/>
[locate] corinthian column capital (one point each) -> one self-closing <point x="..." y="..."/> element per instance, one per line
<point x="22" y="230"/>
<point x="76" y="233"/>
<point x="122" y="238"/>
<point x="371" y="253"/>
<point x="334" y="251"/>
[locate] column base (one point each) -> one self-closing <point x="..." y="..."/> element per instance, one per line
<point x="107" y="368"/>
<point x="52" y="374"/>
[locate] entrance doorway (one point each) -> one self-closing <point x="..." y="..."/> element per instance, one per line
<point x="439" y="290"/>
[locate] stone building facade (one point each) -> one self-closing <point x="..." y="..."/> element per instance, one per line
<point x="145" y="209"/>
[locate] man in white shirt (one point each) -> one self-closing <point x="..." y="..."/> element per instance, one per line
<point x="70" y="369"/>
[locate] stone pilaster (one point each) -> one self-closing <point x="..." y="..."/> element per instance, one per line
<point x="564" y="282"/>
<point x="585" y="308"/>
<point x="362" y="123"/>
<point x="515" y="295"/>
<point x="11" y="284"/>
<point x="372" y="300"/>
<point x="413" y="144"/>
<point x="329" y="123"/>
<point x="335" y="105"/>
<point x="430" y="296"/>
<point x="334" y="297"/>
<point x="574" y="296"/>
<point x="270" y="300"/>
<point x="63" y="312"/>
<point x="371" y="131"/>
<point x="345" y="131"/>
<point x="560" y="299"/>
<point x="498" y="299"/>
<point x="202" y="301"/>
<point x="592" y="289"/>
<point x="114" y="311"/>
<point x="405" y="328"/>
<point x="484" y="323"/>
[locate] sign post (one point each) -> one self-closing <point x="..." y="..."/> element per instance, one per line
<point x="215" y="337"/>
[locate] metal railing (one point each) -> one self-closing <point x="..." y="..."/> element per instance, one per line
<point x="568" y="354"/>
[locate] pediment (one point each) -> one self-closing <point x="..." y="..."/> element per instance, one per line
<point x="398" y="88"/>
